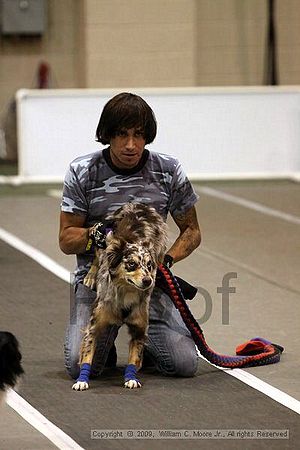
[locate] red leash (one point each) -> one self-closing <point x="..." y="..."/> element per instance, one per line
<point x="256" y="352"/>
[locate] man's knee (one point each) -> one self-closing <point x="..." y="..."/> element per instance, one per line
<point x="72" y="364"/>
<point x="73" y="371"/>
<point x="187" y="366"/>
<point x="184" y="365"/>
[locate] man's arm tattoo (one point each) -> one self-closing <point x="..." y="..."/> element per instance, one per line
<point x="189" y="237"/>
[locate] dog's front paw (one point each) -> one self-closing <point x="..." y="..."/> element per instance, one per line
<point x="130" y="379"/>
<point x="80" y="386"/>
<point x="132" y="384"/>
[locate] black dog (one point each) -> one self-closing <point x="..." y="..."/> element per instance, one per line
<point x="10" y="360"/>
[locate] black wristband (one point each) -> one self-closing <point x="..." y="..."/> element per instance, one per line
<point x="168" y="261"/>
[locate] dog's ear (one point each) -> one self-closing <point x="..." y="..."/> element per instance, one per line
<point x="114" y="252"/>
<point x="157" y="252"/>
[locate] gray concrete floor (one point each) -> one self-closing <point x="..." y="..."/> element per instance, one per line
<point x="262" y="250"/>
<point x="17" y="434"/>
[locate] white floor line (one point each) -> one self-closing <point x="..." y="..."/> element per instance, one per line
<point x="266" y="388"/>
<point x="14" y="400"/>
<point x="40" y="423"/>
<point x="261" y="386"/>
<point x="272" y="392"/>
<point x="211" y="254"/>
<point x="35" y="254"/>
<point x="249" y="204"/>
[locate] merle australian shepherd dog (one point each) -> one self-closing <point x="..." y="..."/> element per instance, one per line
<point x="124" y="277"/>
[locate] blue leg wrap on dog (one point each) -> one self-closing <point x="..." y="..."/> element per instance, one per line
<point x="85" y="371"/>
<point x="130" y="373"/>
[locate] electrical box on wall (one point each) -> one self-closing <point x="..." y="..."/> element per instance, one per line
<point x="23" y="17"/>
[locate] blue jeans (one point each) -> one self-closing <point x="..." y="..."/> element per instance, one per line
<point x="169" y="345"/>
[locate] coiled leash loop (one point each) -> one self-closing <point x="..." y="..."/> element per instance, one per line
<point x="256" y="352"/>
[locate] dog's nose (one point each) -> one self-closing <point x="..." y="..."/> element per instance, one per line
<point x="147" y="281"/>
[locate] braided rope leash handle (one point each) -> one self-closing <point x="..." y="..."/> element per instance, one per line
<point x="256" y="352"/>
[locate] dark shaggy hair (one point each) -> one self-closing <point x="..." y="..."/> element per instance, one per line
<point x="10" y="360"/>
<point x="126" y="110"/>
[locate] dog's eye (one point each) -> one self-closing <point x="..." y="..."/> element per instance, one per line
<point x="149" y="265"/>
<point x="131" y="265"/>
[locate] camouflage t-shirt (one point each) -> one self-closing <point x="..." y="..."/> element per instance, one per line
<point x="95" y="187"/>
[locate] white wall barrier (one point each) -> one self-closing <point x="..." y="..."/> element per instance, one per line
<point x="215" y="132"/>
